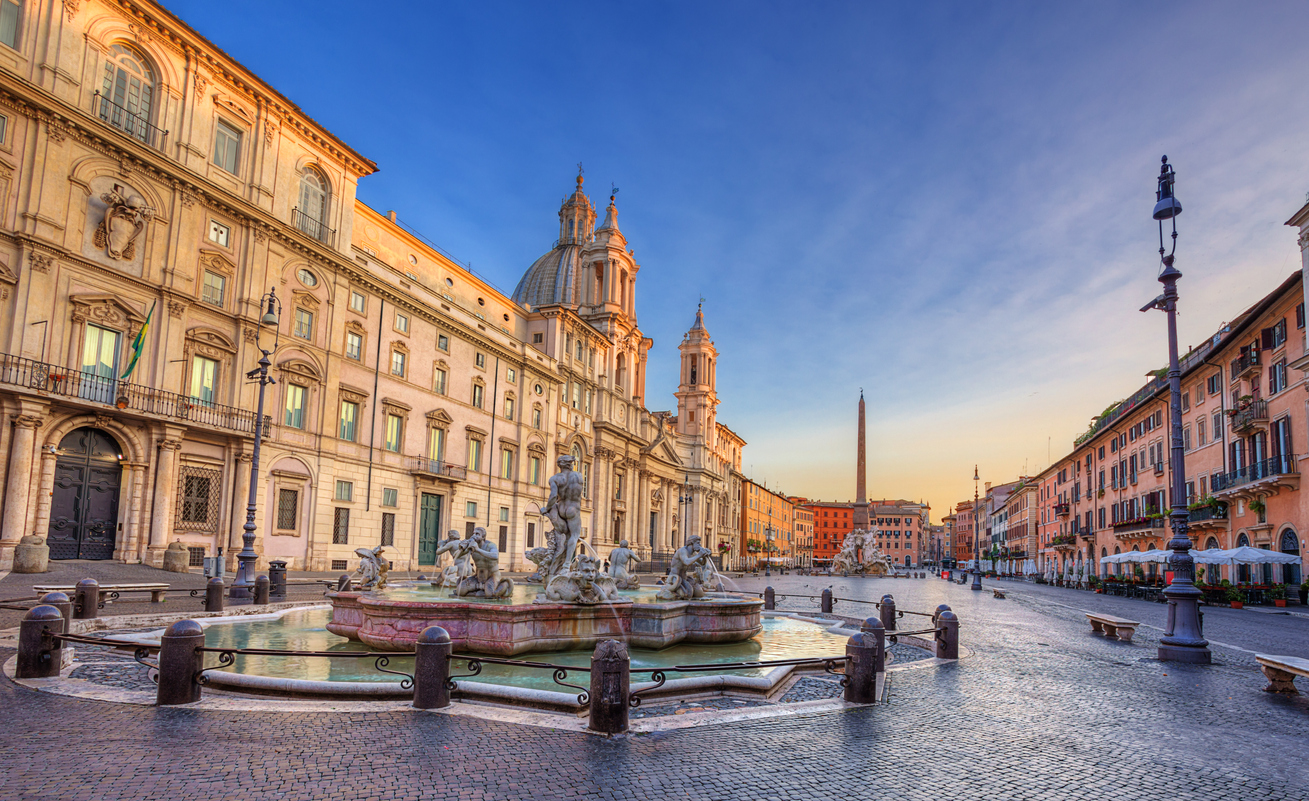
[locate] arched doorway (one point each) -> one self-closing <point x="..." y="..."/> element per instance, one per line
<point x="1242" y="571"/>
<point x="1290" y="543"/>
<point x="84" y="503"/>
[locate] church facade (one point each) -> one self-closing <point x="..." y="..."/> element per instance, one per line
<point x="153" y="191"/>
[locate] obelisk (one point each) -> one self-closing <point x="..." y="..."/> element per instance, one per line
<point x="861" y="521"/>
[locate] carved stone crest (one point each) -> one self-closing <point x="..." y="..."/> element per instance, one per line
<point x="124" y="221"/>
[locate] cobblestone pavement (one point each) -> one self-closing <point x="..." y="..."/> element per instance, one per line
<point x="1042" y="709"/>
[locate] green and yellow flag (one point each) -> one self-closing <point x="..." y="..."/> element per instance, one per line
<point x="138" y="344"/>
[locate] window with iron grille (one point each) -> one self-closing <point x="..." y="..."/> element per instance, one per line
<point x="196" y="557"/>
<point x="288" y="503"/>
<point x="197" y="498"/>
<point x="388" y="528"/>
<point x="341" y="526"/>
<point x="339" y="564"/>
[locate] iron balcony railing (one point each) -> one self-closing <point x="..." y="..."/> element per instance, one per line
<point x="130" y="123"/>
<point x="1204" y="513"/>
<point x="1282" y="465"/>
<point x="1246" y="361"/>
<point x="436" y="467"/>
<point x="1139" y="524"/>
<point x="314" y="227"/>
<point x="1253" y="412"/>
<point x="1061" y="509"/>
<point x="99" y="390"/>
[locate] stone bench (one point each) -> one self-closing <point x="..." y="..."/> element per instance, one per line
<point x="1112" y="626"/>
<point x="1281" y="672"/>
<point x="157" y="591"/>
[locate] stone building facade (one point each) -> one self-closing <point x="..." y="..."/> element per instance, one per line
<point x="148" y="182"/>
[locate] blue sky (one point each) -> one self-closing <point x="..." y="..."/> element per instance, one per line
<point x="945" y="204"/>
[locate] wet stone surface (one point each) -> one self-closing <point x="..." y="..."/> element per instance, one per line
<point x="724" y="704"/>
<point x="811" y="688"/>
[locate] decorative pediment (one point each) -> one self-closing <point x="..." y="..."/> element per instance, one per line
<point x="355" y="326"/>
<point x="511" y="443"/>
<point x="213" y="260"/>
<point x="105" y="310"/>
<point x="475" y="432"/>
<point x="396" y="407"/>
<point x="536" y="446"/>
<point x="300" y="297"/>
<point x="222" y="101"/>
<point x="301" y="367"/>
<point x="208" y="342"/>
<point x="439" y="418"/>
<point x="353" y="394"/>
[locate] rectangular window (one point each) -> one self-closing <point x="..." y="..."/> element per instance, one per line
<point x="354" y="345"/>
<point x="340" y="564"/>
<point x="345" y="490"/>
<point x="402" y="323"/>
<point x="439" y="378"/>
<point x="219" y="234"/>
<point x="1279" y="333"/>
<point x="535" y="470"/>
<point x="295" y="406"/>
<point x="506" y="463"/>
<point x="390" y="497"/>
<point x="227" y="147"/>
<point x="1200" y="431"/>
<point x="204" y="380"/>
<point x="509" y="407"/>
<point x="1186" y="403"/>
<point x="1214" y="384"/>
<point x="511" y="376"/>
<point x="475" y="455"/>
<point x="341" y="526"/>
<point x="9" y="24"/>
<point x="288" y="503"/>
<point x="436" y="445"/>
<point x="358" y="302"/>
<point x="577" y="395"/>
<point x="504" y="514"/>
<point x="470" y="509"/>
<point x="537" y="339"/>
<point x="199" y="501"/>
<point x="1299" y="315"/>
<point x="214" y="289"/>
<point x="388" y="528"/>
<point x="1186" y="438"/>
<point x="304" y="324"/>
<point x="398" y="363"/>
<point x="443" y="343"/>
<point x="394" y="432"/>
<point x="481" y="360"/>
<point x="349" y="421"/>
<point x="536" y="417"/>
<point x="1277" y="377"/>
<point x="478" y="391"/>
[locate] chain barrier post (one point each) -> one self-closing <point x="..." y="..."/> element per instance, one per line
<point x="432" y="668"/>
<point x="180" y="663"/>
<point x="874" y="627"/>
<point x="947" y="636"/>
<point x="262" y="588"/>
<point x="770" y="598"/>
<point x="827" y="601"/>
<point x="214" y="595"/>
<point x="936" y="616"/>
<point x="343" y="584"/>
<point x="40" y="655"/>
<point x="60" y="601"/>
<point x="861" y="652"/>
<point x="86" y="605"/>
<point x="611" y="682"/>
<point x="888" y="612"/>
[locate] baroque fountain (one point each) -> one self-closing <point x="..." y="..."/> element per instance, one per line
<point x="577" y="604"/>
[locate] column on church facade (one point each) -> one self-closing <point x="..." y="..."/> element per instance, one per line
<point x="165" y="486"/>
<point x="131" y="548"/>
<point x="22" y="447"/>
<point x="639" y="530"/>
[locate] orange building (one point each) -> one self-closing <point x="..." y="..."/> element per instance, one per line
<point x="902" y="525"/>
<point x="767" y="528"/>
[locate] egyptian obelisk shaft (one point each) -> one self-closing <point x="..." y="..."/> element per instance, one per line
<point x="861" y="487"/>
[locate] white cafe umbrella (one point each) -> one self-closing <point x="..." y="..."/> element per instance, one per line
<point x="1245" y="555"/>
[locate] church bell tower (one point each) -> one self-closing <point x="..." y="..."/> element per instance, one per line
<point x="697" y="395"/>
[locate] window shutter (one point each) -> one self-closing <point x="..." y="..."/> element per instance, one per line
<point x="1266" y="339"/>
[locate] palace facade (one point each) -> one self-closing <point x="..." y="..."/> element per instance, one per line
<point x="149" y="182"/>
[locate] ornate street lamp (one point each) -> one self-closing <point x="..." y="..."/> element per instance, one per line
<point x="685" y="498"/>
<point x="977" y="538"/>
<point x="242" y="591"/>
<point x="1182" y="640"/>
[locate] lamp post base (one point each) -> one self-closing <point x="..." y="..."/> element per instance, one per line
<point x="977" y="581"/>
<point x="1181" y="653"/>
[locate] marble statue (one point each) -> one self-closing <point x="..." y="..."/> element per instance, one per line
<point x="371" y="573"/>
<point x="564" y="511"/>
<point x="486" y="581"/>
<point x="584" y="584"/>
<point x="542" y="557"/>
<point x="683" y="582"/>
<point x="463" y="563"/>
<point x="860" y="554"/>
<point x="124" y="221"/>
<point x="619" y="558"/>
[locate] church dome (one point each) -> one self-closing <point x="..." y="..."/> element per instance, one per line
<point x="551" y="279"/>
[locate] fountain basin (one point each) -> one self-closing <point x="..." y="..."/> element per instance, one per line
<point x="509" y="629"/>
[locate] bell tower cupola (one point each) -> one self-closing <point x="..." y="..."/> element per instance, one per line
<point x="576" y="216"/>
<point x="697" y="394"/>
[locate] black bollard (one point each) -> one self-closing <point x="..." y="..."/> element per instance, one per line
<point x="947" y="636"/>
<point x="180" y="663"/>
<point x="40" y="655"/>
<point x="770" y="598"/>
<point x="432" y="668"/>
<point x="262" y="588"/>
<point x="611" y="681"/>
<point x="827" y="601"/>
<point x="421" y="577"/>
<point x="874" y="627"/>
<point x="937" y="614"/>
<point x="60" y="601"/>
<point x="343" y="583"/>
<point x="888" y="612"/>
<point x="86" y="600"/>
<point x="277" y="578"/>
<point x="214" y="595"/>
<point x="863" y="651"/>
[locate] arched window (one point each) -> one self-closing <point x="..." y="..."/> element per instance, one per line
<point x="311" y="214"/>
<point x="1290" y="543"/>
<point x="1243" y="571"/>
<point x="127" y="94"/>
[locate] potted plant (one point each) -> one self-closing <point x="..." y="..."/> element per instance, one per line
<point x="1235" y="598"/>
<point x="1278" y="593"/>
<point x="1258" y="506"/>
<point x="1304" y="593"/>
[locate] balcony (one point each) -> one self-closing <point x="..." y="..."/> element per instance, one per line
<point x="1245" y="364"/>
<point x="1065" y="543"/>
<point x="313" y="227"/>
<point x="1268" y="476"/>
<point x="437" y="469"/>
<point x="1207" y="518"/>
<point x="1139" y="528"/>
<point x="1250" y="415"/>
<point x="130" y="123"/>
<point x="1062" y="509"/>
<point x="1158" y="468"/>
<point x="135" y="400"/>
